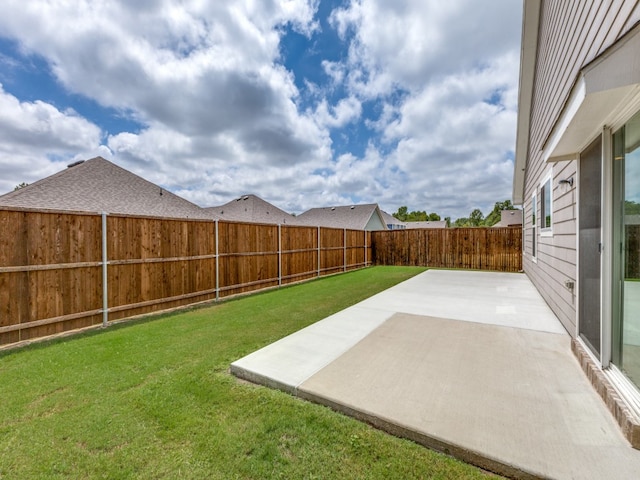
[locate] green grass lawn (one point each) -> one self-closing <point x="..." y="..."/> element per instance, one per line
<point x="154" y="399"/>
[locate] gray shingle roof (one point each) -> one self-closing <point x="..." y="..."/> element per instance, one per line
<point x="509" y="217"/>
<point x="427" y="224"/>
<point x="390" y="219"/>
<point x="355" y="217"/>
<point x="252" y="209"/>
<point x="98" y="185"/>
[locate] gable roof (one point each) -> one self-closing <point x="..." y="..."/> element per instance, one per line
<point x="98" y="185"/>
<point x="509" y="218"/>
<point x="390" y="219"/>
<point x="357" y="217"/>
<point x="252" y="209"/>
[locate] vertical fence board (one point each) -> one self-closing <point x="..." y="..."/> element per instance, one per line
<point x="331" y="250"/>
<point x="299" y="253"/>
<point x="51" y="253"/>
<point x="498" y="249"/>
<point x="249" y="257"/>
<point x="51" y="262"/>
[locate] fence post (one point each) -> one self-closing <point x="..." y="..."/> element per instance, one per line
<point x="217" y="264"/>
<point x="365" y="248"/>
<point x="105" y="287"/>
<point x="344" y="254"/>
<point x="280" y="255"/>
<point x="319" y="251"/>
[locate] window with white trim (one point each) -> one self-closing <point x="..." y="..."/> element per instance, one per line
<point x="546" y="207"/>
<point x="534" y="207"/>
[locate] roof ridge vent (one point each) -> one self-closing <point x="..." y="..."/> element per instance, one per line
<point x="75" y="164"/>
<point x="333" y="208"/>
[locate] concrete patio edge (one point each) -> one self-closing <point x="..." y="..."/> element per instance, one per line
<point x="627" y="421"/>
<point x="470" y="364"/>
<point x="258" y="379"/>
<point x="396" y="429"/>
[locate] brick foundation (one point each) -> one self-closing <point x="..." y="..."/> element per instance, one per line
<point x="616" y="405"/>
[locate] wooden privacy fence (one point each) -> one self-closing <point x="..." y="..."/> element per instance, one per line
<point x="498" y="249"/>
<point x="62" y="271"/>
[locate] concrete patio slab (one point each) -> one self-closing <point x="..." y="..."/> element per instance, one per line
<point x="288" y="362"/>
<point x="471" y="363"/>
<point x="488" y="297"/>
<point x="512" y="400"/>
<point x="508" y="299"/>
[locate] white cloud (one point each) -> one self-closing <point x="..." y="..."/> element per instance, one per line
<point x="405" y="42"/>
<point x="220" y="114"/>
<point x="196" y="67"/>
<point x="345" y="111"/>
<point x="43" y="125"/>
<point x="449" y="137"/>
<point x="37" y="139"/>
<point x="202" y="77"/>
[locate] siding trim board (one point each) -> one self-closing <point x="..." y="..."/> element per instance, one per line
<point x="528" y="54"/>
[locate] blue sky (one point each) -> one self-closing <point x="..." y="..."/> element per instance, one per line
<point x="304" y="103"/>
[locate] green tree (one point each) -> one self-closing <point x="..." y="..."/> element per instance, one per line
<point x="433" y="217"/>
<point x="401" y="214"/>
<point x="476" y="218"/>
<point x="20" y="185"/>
<point x="404" y="215"/>
<point x="417" y="216"/>
<point x="495" y="215"/>
<point x="462" y="222"/>
<point x="631" y="207"/>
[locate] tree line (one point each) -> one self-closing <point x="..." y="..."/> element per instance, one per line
<point x="475" y="219"/>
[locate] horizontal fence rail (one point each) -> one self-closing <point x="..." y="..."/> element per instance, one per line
<point x="62" y="271"/>
<point x="498" y="249"/>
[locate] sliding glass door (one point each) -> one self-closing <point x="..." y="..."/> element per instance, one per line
<point x="590" y="247"/>
<point x="626" y="261"/>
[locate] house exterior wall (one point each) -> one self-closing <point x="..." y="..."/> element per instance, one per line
<point x="570" y="35"/>
<point x="375" y="223"/>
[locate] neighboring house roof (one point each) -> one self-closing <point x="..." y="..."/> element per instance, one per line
<point x="509" y="218"/>
<point x="252" y="209"/>
<point x="392" y="222"/>
<point x="428" y="224"/>
<point x="357" y="217"/>
<point x="98" y="185"/>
